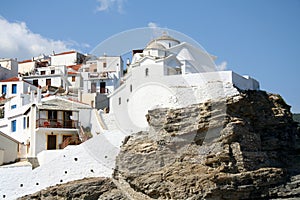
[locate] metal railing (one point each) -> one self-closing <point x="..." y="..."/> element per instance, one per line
<point x="56" y="123"/>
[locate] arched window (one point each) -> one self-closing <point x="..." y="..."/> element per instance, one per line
<point x="147" y="72"/>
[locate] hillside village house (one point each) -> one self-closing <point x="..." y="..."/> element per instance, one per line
<point x="101" y="77"/>
<point x="74" y="78"/>
<point x="27" y="67"/>
<point x="8" y="68"/>
<point x="15" y="86"/>
<point x="57" y="70"/>
<point x="58" y="122"/>
<point x="45" y="124"/>
<point x="67" y="58"/>
<point x="50" y="76"/>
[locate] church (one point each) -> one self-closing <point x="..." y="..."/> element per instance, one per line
<point x="170" y="73"/>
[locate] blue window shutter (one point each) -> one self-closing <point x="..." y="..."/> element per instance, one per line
<point x="4" y="88"/>
<point x="13" y="126"/>
<point x="14" y="89"/>
<point x="24" y="122"/>
<point x="13" y="106"/>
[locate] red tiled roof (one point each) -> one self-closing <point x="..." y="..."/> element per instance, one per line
<point x="15" y="79"/>
<point x="25" y="61"/>
<point x="72" y="72"/>
<point x="12" y="79"/>
<point x="75" y="67"/>
<point x="63" y="53"/>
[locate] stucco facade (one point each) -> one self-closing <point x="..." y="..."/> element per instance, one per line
<point x="9" y="148"/>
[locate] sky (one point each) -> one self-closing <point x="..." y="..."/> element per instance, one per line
<point x="251" y="37"/>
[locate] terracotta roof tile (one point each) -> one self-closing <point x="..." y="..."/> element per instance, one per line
<point x="72" y="72"/>
<point x="12" y="79"/>
<point x="74" y="67"/>
<point x="63" y="53"/>
<point x="25" y="61"/>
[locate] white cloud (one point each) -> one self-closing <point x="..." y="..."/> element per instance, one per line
<point x="17" y="41"/>
<point x="110" y="4"/>
<point x="222" y="66"/>
<point x="152" y="25"/>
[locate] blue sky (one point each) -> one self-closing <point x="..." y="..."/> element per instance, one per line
<point x="257" y="38"/>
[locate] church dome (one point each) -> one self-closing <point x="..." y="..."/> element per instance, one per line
<point x="155" y="45"/>
<point x="165" y="40"/>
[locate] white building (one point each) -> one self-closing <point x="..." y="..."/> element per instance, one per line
<point x="44" y="124"/>
<point x="54" y="121"/>
<point x="100" y="78"/>
<point x="67" y="58"/>
<point x="27" y="67"/>
<point x="50" y="76"/>
<point x="15" y="86"/>
<point x="170" y="73"/>
<point x="8" y="68"/>
<point x="74" y="78"/>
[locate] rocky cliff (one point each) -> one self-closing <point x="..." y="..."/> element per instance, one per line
<point x="244" y="147"/>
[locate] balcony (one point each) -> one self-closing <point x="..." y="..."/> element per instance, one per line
<point x="100" y="75"/>
<point x="57" y="123"/>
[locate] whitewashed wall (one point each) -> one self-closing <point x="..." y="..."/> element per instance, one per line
<point x="10" y="149"/>
<point x="94" y="158"/>
<point x="64" y="59"/>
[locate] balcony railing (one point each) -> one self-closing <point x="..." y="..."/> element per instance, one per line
<point x="100" y="75"/>
<point x="56" y="123"/>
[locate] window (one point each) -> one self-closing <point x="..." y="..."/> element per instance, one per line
<point x="73" y="78"/>
<point x="130" y="88"/>
<point x="14" y="126"/>
<point x="95" y="70"/>
<point x="35" y="82"/>
<point x="104" y="65"/>
<point x="27" y="122"/>
<point x="4" y="88"/>
<point x="13" y="107"/>
<point x="52" y="71"/>
<point x="24" y="122"/>
<point x="43" y="72"/>
<point x="119" y="100"/>
<point x="147" y="72"/>
<point x="14" y="89"/>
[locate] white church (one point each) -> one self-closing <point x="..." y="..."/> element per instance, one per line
<point x="170" y="73"/>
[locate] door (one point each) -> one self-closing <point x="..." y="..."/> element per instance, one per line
<point x="52" y="117"/>
<point x="102" y="87"/>
<point x="93" y="87"/>
<point x="67" y="119"/>
<point x="48" y="81"/>
<point x="51" y="142"/>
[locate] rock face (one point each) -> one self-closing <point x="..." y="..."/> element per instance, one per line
<point x="89" y="188"/>
<point x="238" y="149"/>
<point x="244" y="147"/>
